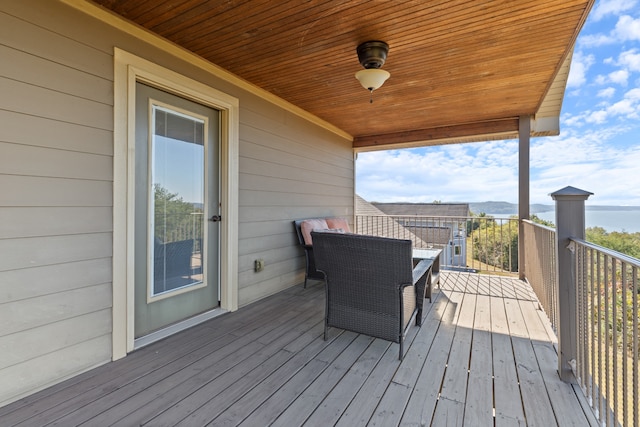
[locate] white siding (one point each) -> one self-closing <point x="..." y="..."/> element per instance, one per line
<point x="56" y="189"/>
<point x="284" y="177"/>
<point x="55" y="208"/>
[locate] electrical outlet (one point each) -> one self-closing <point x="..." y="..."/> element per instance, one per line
<point x="258" y="265"/>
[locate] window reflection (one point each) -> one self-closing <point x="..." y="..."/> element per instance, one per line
<point x="177" y="174"/>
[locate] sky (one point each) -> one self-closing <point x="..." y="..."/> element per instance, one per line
<point x="598" y="149"/>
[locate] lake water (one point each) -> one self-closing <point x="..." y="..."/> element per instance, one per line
<point x="611" y="220"/>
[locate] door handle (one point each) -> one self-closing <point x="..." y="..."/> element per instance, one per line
<point x="215" y="218"/>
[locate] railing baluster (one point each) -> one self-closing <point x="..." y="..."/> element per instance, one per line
<point x="635" y="353"/>
<point x="599" y="336"/>
<point x="614" y="339"/>
<point x="595" y="403"/>
<point x="610" y="323"/>
<point x="625" y="383"/>
<point x="604" y="345"/>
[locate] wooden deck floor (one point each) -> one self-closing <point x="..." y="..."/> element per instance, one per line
<point x="483" y="357"/>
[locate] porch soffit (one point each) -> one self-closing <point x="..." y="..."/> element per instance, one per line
<point x="460" y="71"/>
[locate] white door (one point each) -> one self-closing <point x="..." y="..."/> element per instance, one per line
<point x="176" y="209"/>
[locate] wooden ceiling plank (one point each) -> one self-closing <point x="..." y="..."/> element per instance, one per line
<point x="157" y="12"/>
<point x="130" y="10"/>
<point x="515" y="38"/>
<point x="255" y="18"/>
<point x="323" y="42"/>
<point x="452" y="61"/>
<point x="201" y="14"/>
<point x="294" y="37"/>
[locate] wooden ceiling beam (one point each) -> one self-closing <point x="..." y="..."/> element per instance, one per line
<point x="442" y="133"/>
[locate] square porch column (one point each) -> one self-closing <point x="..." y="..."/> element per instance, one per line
<point x="570" y="223"/>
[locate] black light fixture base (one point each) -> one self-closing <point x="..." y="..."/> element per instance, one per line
<point x="372" y="54"/>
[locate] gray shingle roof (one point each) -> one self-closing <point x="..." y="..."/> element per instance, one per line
<point x="384" y="219"/>
<point x="424" y="209"/>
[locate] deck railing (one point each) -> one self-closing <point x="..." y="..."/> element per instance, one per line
<point x="608" y="342"/>
<point x="540" y="266"/>
<point x="475" y="243"/>
<point x="607" y="335"/>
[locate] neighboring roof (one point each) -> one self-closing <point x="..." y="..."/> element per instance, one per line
<point x="460" y="70"/>
<point x="372" y="221"/>
<point x="365" y="208"/>
<point x="424" y="209"/>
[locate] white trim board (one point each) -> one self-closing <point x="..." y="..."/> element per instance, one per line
<point x="129" y="69"/>
<point x="176" y="327"/>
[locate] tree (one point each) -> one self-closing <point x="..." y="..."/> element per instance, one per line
<point x="625" y="243"/>
<point x="174" y="218"/>
<point x="535" y="218"/>
<point x="496" y="245"/>
<point x="482" y="220"/>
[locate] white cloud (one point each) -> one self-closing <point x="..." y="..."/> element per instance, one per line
<point x="606" y="93"/>
<point x="611" y="7"/>
<point x="580" y="64"/>
<point x="546" y="152"/>
<point x="633" y="94"/>
<point x="459" y="172"/>
<point x="587" y="161"/>
<point x="627" y="28"/>
<point x="597" y="117"/>
<point x="489" y="171"/>
<point x="591" y="40"/>
<point x="626" y="108"/>
<point x="630" y="59"/>
<point x="620" y="77"/>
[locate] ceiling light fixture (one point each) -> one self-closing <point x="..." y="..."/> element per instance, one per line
<point x="372" y="55"/>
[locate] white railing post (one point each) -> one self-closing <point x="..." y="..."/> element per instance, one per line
<point x="570" y="223"/>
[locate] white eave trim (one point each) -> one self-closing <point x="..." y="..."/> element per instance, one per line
<point x="545" y="126"/>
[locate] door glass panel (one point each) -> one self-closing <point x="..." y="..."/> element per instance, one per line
<point x="177" y="201"/>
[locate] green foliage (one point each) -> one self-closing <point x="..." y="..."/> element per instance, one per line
<point x="620" y="295"/>
<point x="625" y="243"/>
<point x="477" y="221"/>
<point x="174" y="218"/>
<point x="494" y="244"/>
<point x="536" y="219"/>
<point x="603" y="312"/>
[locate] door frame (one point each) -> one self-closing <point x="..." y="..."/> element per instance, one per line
<point x="129" y="69"/>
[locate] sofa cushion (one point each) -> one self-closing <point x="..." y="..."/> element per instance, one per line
<point x="329" y="230"/>
<point x="310" y="225"/>
<point x="338" y="223"/>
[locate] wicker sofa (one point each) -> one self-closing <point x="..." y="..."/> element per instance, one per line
<point x="304" y="227"/>
<point x="371" y="285"/>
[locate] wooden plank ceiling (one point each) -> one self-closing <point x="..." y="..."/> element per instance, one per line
<point x="459" y="68"/>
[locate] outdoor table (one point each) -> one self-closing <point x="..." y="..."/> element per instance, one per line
<point x="432" y="255"/>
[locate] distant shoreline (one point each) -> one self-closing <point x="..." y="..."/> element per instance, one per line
<point x="612" y="220"/>
<point x="506" y="208"/>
